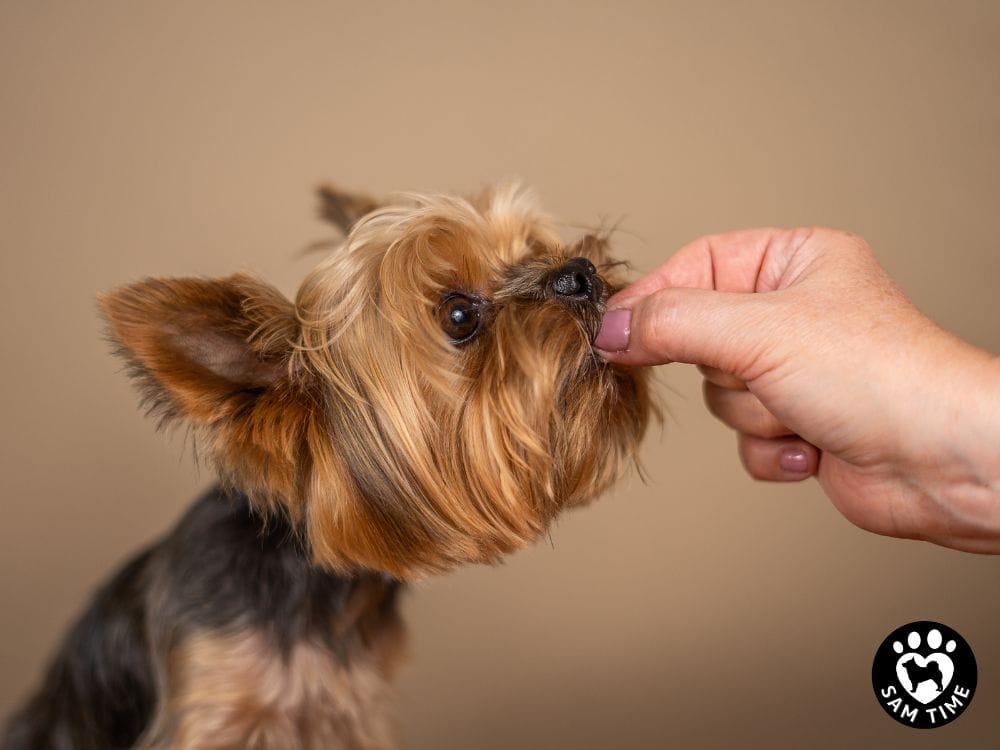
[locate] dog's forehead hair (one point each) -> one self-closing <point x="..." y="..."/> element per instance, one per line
<point x="509" y="230"/>
<point x="485" y="263"/>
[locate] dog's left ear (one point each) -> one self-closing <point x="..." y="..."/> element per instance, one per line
<point x="202" y="349"/>
<point x="343" y="209"/>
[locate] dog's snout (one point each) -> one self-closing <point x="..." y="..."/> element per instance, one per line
<point x="576" y="280"/>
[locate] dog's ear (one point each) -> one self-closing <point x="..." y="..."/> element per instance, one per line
<point x="218" y="353"/>
<point x="202" y="349"/>
<point x="343" y="209"/>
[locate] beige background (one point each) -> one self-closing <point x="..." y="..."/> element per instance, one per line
<point x="702" y="610"/>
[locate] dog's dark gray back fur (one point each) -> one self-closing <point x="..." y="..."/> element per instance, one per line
<point x="221" y="568"/>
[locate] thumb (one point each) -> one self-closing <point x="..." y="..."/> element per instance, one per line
<point x="727" y="330"/>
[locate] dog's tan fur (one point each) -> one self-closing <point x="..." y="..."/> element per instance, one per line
<point x="240" y="690"/>
<point x="349" y="411"/>
<point x="234" y="691"/>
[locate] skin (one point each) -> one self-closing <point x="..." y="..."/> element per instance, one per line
<point x="824" y="368"/>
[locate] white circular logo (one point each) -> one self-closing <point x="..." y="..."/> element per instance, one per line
<point x="924" y="674"/>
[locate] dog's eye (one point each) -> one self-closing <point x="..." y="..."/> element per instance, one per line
<point x="461" y="316"/>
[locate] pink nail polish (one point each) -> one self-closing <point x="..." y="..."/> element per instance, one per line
<point x="615" y="331"/>
<point x="794" y="460"/>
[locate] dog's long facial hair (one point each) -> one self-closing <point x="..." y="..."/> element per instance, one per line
<point x="430" y="398"/>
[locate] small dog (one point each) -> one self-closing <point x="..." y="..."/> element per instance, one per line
<point x="917" y="674"/>
<point x="430" y="399"/>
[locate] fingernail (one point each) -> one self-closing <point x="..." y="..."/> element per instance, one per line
<point x="794" y="460"/>
<point x="615" y="330"/>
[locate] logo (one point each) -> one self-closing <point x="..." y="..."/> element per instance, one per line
<point x="924" y="675"/>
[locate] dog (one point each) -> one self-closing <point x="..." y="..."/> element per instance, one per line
<point x="917" y="674"/>
<point x="429" y="399"/>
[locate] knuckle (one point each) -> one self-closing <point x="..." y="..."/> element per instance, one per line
<point x="756" y="471"/>
<point x="655" y="316"/>
<point x="710" y="392"/>
<point x="768" y="426"/>
<point x="750" y="458"/>
<point x="721" y="378"/>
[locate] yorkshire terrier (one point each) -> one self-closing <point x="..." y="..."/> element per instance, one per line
<point x="430" y="398"/>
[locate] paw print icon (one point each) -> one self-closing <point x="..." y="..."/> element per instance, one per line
<point x="924" y="674"/>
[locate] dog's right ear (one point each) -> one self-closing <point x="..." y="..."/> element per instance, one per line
<point x="217" y="353"/>
<point x="343" y="209"/>
<point x="202" y="349"/>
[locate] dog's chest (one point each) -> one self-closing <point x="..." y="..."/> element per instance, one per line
<point x="236" y="691"/>
<point x="267" y="652"/>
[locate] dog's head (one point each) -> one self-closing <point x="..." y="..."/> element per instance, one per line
<point x="431" y="396"/>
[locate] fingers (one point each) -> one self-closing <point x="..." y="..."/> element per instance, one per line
<point x="778" y="460"/>
<point x="745" y="261"/>
<point x="743" y="411"/>
<point x="723" y="330"/>
<point x="767" y="448"/>
<point x="677" y="313"/>
<point x="697" y="306"/>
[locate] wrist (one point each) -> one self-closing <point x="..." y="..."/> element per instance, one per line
<point x="952" y="458"/>
<point x="967" y="414"/>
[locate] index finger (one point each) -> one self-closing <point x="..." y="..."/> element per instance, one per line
<point x="749" y="260"/>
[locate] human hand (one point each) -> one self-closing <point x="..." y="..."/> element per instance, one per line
<point x="823" y="367"/>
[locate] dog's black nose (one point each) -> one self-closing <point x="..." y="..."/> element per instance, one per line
<point x="577" y="280"/>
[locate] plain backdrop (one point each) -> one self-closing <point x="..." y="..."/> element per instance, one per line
<point x="700" y="610"/>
